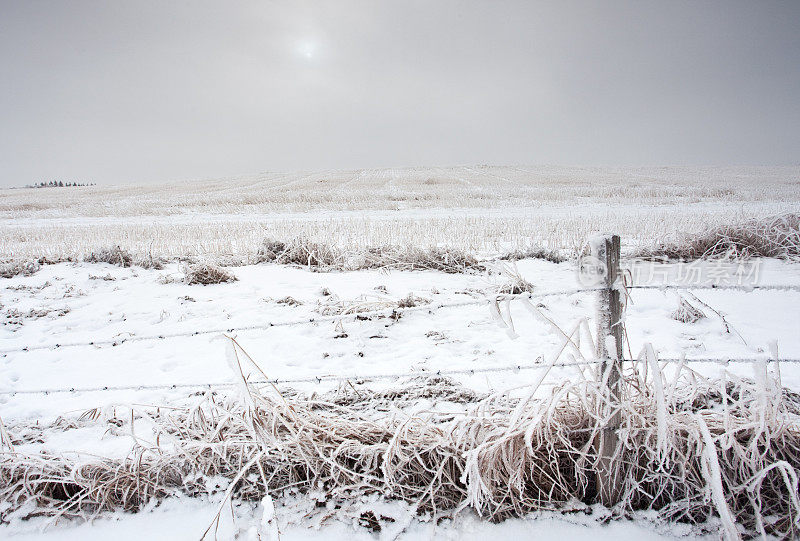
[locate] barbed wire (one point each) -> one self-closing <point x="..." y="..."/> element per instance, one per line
<point x="308" y="379"/>
<point x="721" y="287"/>
<point x="385" y="312"/>
<point x="392" y="375"/>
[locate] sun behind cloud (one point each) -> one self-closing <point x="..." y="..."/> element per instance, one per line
<point x="307" y="49"/>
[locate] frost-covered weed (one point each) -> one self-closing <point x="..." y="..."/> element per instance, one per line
<point x="206" y="274"/>
<point x="499" y="455"/>
<point x="775" y="236"/>
<point x="113" y="256"/>
<point x="19" y="268"/>
<point x="686" y="312"/>
<point x="534" y="253"/>
<point x="329" y="257"/>
<point x="411" y="300"/>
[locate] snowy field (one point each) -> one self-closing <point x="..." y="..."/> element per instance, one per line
<point x="81" y="327"/>
<point x="485" y="210"/>
<point x="67" y="303"/>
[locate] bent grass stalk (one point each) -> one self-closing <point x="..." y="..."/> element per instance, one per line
<point x="499" y="456"/>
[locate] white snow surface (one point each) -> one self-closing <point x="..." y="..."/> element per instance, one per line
<point x="96" y="302"/>
<point x="186" y="519"/>
<point x="134" y="303"/>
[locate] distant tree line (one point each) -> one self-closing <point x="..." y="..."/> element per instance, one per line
<point x="58" y="184"/>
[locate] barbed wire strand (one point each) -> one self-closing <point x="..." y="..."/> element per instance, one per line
<point x="393" y="375"/>
<point x="386" y="312"/>
<point x="720" y="287"/>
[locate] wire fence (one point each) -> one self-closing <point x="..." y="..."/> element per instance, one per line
<point x="387" y="312"/>
<point x="428" y="374"/>
<point x="384" y="312"/>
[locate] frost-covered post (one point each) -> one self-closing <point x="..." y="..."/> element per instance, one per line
<point x="605" y="251"/>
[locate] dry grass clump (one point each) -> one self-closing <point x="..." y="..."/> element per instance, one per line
<point x="299" y="252"/>
<point x="447" y="260"/>
<point x="270" y="251"/>
<point x="205" y="274"/>
<point x="289" y="301"/>
<point x="334" y="306"/>
<point x="19" y="267"/>
<point x="328" y="257"/>
<point x="686" y="312"/>
<point x="690" y="448"/>
<point x="36" y="313"/>
<point x="775" y="236"/>
<point x="516" y="287"/>
<point x="106" y="278"/>
<point x="534" y="253"/>
<point x="122" y="258"/>
<point x="150" y="262"/>
<point x="411" y="300"/>
<point x="114" y="256"/>
<point x="515" y="283"/>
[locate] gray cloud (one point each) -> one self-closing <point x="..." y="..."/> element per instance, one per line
<point x="148" y="90"/>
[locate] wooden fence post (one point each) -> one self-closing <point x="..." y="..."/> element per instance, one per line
<point x="606" y="250"/>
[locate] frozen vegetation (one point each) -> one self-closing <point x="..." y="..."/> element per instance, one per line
<point x="479" y="210"/>
<point x="174" y="351"/>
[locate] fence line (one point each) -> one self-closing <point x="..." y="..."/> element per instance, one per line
<point x="385" y="312"/>
<point x="393" y="375"/>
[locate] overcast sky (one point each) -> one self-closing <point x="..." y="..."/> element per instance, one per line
<point x="118" y="91"/>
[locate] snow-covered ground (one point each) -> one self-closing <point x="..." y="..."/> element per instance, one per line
<point x="72" y="303"/>
<point x="82" y="303"/>
<point x="186" y="519"/>
<point x="79" y="331"/>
